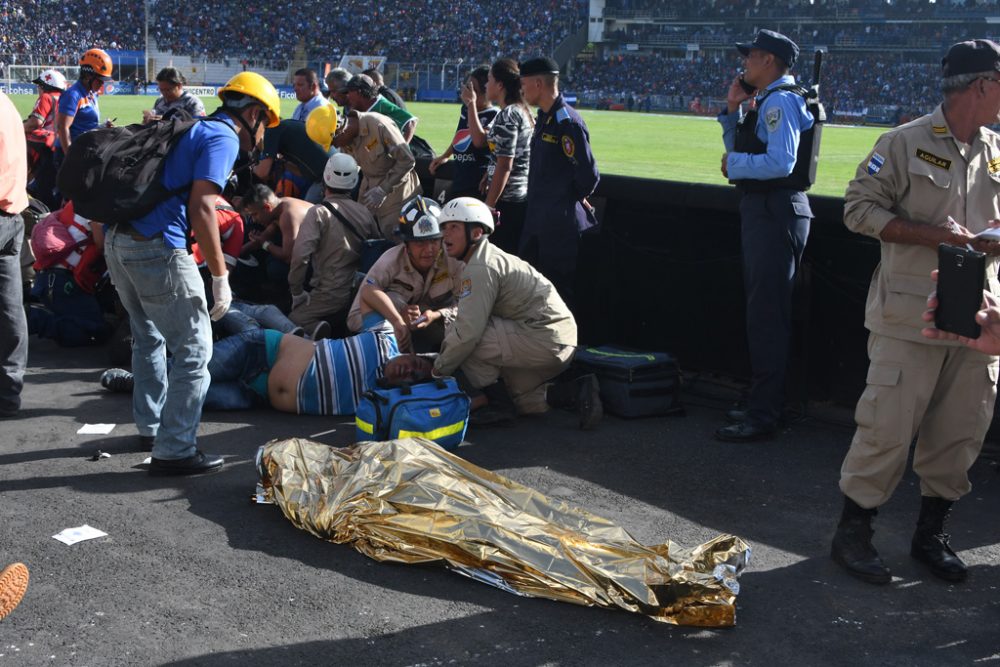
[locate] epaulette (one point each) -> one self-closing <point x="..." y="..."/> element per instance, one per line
<point x="562" y="115"/>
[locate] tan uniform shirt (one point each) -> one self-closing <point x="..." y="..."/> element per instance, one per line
<point x="394" y="274"/>
<point x="495" y="284"/>
<point x="333" y="251"/>
<point x="386" y="161"/>
<point x="921" y="173"/>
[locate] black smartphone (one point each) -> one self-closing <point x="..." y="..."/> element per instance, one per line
<point x="961" y="276"/>
<point x="747" y="88"/>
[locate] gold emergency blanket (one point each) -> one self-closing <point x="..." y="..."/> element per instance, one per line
<point x="409" y="501"/>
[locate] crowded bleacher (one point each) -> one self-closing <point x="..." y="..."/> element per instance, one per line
<point x="872" y="61"/>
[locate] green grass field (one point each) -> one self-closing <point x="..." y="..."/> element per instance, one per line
<point x="678" y="148"/>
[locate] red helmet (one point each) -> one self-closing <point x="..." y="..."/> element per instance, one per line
<point x="97" y="62"/>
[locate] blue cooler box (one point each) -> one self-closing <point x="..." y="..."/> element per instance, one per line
<point x="633" y="383"/>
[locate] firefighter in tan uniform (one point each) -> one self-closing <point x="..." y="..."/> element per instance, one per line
<point x="333" y="251"/>
<point x="943" y="164"/>
<point x="511" y="325"/>
<point x="411" y="286"/>
<point x="387" y="165"/>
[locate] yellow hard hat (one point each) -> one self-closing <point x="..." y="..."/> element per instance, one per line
<point x="321" y="125"/>
<point x="254" y="85"/>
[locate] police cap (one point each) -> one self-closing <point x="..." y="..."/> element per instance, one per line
<point x="772" y="42"/>
<point x="363" y="84"/>
<point x="537" y="66"/>
<point x="972" y="57"/>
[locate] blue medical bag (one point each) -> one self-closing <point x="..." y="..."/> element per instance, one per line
<point x="437" y="410"/>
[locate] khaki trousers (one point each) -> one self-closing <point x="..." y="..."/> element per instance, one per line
<point x="944" y="395"/>
<point x="525" y="364"/>
<point x="320" y="307"/>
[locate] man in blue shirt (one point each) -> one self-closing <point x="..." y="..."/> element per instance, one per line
<point x="159" y="283"/>
<point x="305" y="82"/>
<point x="764" y="160"/>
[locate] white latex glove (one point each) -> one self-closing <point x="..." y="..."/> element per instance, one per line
<point x="374" y="197"/>
<point x="301" y="299"/>
<point x="223" y="296"/>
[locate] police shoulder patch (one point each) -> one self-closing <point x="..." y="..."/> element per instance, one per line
<point x="772" y="117"/>
<point x="562" y="115"/>
<point x="569" y="148"/>
<point x="875" y="163"/>
<point x="466" y="289"/>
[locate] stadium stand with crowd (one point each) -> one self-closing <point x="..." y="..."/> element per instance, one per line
<point x="881" y="63"/>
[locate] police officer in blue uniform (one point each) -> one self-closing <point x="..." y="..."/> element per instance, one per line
<point x="561" y="175"/>
<point x="768" y="155"/>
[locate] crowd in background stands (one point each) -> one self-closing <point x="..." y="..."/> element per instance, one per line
<point x="60" y="31"/>
<point x="404" y="32"/>
<point x="829" y="34"/>
<point x="846" y="88"/>
<point x="699" y="9"/>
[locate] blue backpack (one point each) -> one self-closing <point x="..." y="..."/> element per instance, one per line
<point x="437" y="410"/>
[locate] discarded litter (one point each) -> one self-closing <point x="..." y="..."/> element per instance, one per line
<point x="71" y="536"/>
<point x="98" y="455"/>
<point x="96" y="429"/>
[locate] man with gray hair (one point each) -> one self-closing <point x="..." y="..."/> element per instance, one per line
<point x="337" y="81"/>
<point x="932" y="181"/>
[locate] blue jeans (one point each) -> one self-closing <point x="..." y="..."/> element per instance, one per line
<point x="13" y="324"/>
<point x="243" y="316"/>
<point x="236" y="361"/>
<point x="165" y="298"/>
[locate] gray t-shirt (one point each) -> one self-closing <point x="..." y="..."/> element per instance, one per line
<point x="510" y="136"/>
<point x="186" y="101"/>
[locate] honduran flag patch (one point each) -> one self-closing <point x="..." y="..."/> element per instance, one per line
<point x="875" y="164"/>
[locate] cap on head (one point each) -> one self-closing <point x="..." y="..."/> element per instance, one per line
<point x="321" y="125"/>
<point x="772" y="42"/>
<point x="362" y="84"/>
<point x="468" y="210"/>
<point x="96" y="62"/>
<point x="341" y="172"/>
<point x="972" y="57"/>
<point x="537" y="66"/>
<point x="252" y="88"/>
<point x="52" y="78"/>
<point x="418" y="220"/>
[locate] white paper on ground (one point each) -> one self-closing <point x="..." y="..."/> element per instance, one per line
<point x="96" y="429"/>
<point x="71" y="536"/>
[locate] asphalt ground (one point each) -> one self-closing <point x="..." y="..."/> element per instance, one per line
<point x="193" y="573"/>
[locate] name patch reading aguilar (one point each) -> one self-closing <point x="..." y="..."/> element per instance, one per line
<point x="933" y="159"/>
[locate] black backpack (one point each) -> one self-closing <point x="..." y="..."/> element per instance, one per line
<point x="115" y="175"/>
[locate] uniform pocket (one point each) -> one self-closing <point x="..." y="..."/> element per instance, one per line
<point x="878" y="409"/>
<point x="938" y="175"/>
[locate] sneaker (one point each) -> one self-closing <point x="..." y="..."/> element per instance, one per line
<point x="118" y="380"/>
<point x="13" y="584"/>
<point x="320" y="331"/>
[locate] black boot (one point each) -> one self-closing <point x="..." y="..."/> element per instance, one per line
<point x="852" y="545"/>
<point x="930" y="542"/>
<point x="582" y="395"/>
<point x="499" y="411"/>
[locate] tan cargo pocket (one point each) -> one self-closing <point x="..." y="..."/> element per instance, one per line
<point x="878" y="409"/>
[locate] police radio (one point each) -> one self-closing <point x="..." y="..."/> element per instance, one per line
<point x="816" y="110"/>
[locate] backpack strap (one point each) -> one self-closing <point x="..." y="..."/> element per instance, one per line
<point x="340" y="216"/>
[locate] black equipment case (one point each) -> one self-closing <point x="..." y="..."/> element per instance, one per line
<point x="633" y="383"/>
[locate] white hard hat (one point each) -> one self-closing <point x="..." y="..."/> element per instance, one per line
<point x="467" y="210"/>
<point x="341" y="172"/>
<point x="53" y="78"/>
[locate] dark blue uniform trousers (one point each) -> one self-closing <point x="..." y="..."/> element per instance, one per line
<point x="774" y="229"/>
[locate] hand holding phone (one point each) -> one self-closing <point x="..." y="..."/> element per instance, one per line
<point x="961" y="276"/>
